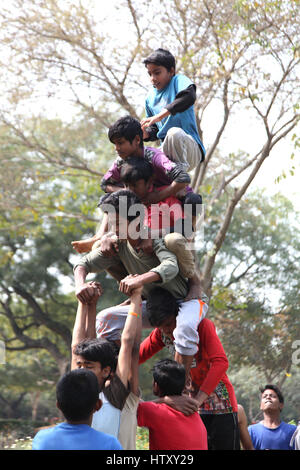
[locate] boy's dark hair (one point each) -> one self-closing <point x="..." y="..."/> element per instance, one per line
<point x="98" y="350"/>
<point x="121" y="201"/>
<point x="134" y="169"/>
<point x="77" y="393"/>
<point x="127" y="127"/>
<point x="275" y="389"/>
<point x="161" y="57"/>
<point x="169" y="376"/>
<point x="161" y="304"/>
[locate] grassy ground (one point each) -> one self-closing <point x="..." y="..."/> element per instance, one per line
<point x="10" y="441"/>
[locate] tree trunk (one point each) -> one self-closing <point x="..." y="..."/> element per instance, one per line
<point x="35" y="399"/>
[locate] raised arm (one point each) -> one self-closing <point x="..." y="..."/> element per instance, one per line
<point x="135" y="306"/>
<point x="130" y="340"/>
<point x="183" y="100"/>
<point x="85" y="320"/>
<point x="93" y="262"/>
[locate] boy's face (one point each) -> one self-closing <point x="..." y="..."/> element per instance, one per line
<point x="118" y="225"/>
<point x="168" y="326"/>
<point x="270" y="401"/>
<point x="160" y="76"/>
<point x="101" y="374"/>
<point x="125" y="148"/>
<point x="140" y="188"/>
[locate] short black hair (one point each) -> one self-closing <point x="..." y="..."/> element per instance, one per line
<point x="77" y="393"/>
<point x="121" y="202"/>
<point x="169" y="376"/>
<point x="127" y="127"/>
<point x="161" y="57"/>
<point x="275" y="389"/>
<point x="134" y="169"/>
<point x="161" y="304"/>
<point x="98" y="350"/>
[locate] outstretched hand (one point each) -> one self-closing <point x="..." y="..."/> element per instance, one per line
<point x="89" y="292"/>
<point x="149" y="121"/>
<point x="182" y="403"/>
<point x="152" y="198"/>
<point x="109" y="245"/>
<point x="131" y="285"/>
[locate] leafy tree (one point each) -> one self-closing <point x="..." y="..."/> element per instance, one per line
<point x="25" y="379"/>
<point x="243" y="58"/>
<point x="247" y="383"/>
<point x="255" y="303"/>
<point x="67" y="78"/>
<point x="39" y="313"/>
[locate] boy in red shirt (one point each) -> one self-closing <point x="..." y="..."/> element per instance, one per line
<point x="189" y="431"/>
<point x="165" y="219"/>
<point x="210" y="385"/>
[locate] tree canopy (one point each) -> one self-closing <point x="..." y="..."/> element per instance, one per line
<point x="68" y="71"/>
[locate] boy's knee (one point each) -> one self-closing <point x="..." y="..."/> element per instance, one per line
<point x="176" y="134"/>
<point x="107" y="326"/>
<point x="178" y="244"/>
<point x="186" y="340"/>
<point x="174" y="240"/>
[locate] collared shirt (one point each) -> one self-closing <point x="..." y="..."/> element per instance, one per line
<point x="162" y="262"/>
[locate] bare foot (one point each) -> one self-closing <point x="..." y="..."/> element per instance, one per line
<point x="194" y="292"/>
<point x="83" y="246"/>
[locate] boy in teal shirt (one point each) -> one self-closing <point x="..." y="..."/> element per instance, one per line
<point x="170" y="113"/>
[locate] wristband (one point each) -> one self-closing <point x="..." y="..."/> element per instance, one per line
<point x="134" y="314"/>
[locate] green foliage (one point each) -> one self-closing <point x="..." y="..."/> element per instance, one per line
<point x="52" y="167"/>
<point x="142" y="439"/>
<point x="248" y="381"/>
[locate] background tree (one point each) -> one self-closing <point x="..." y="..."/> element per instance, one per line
<point x="67" y="73"/>
<point x="242" y="57"/>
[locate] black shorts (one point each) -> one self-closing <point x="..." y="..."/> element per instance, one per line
<point x="222" y="431"/>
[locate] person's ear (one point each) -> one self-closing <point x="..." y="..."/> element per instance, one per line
<point x="155" y="388"/>
<point x="172" y="70"/>
<point x="106" y="372"/>
<point x="98" y="405"/>
<point x="57" y="405"/>
<point x="137" y="140"/>
<point x="280" y="407"/>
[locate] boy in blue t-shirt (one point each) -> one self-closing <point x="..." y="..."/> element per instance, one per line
<point x="271" y="433"/>
<point x="170" y="113"/>
<point x="77" y="395"/>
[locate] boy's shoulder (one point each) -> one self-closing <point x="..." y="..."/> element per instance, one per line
<point x="156" y="156"/>
<point x="288" y="426"/>
<point x="118" y="162"/>
<point x="255" y="426"/>
<point x="182" y="81"/>
<point x="45" y="436"/>
<point x="49" y="430"/>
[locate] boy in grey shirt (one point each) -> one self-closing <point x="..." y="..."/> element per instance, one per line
<point x="157" y="269"/>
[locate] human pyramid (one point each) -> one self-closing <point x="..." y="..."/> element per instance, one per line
<point x="144" y="242"/>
